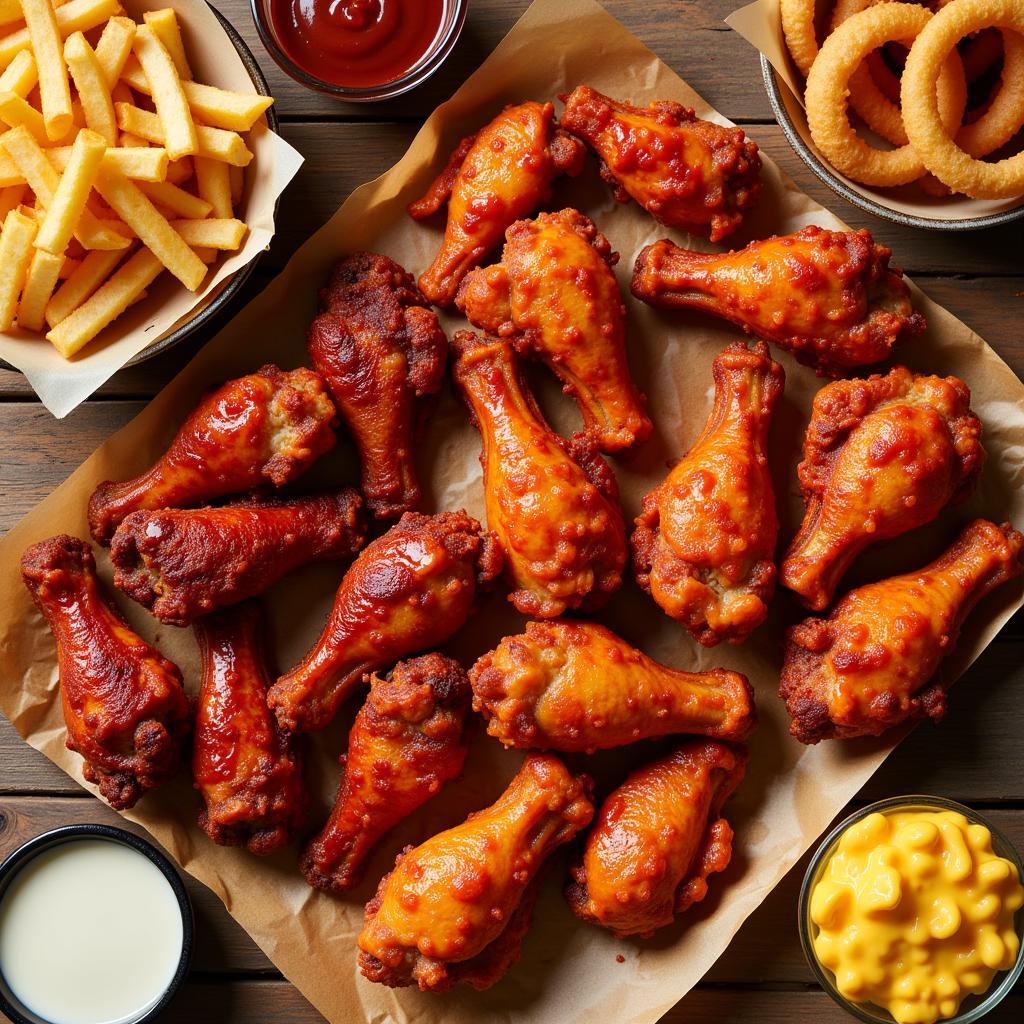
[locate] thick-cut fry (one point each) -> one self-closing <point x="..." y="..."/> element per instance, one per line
<point x="215" y="143"/>
<point x="168" y="96"/>
<point x="114" y="47"/>
<point x="10" y="198"/>
<point x="75" y="16"/>
<point x="82" y="282"/>
<point x="129" y="141"/>
<point x="177" y="200"/>
<point x="121" y="93"/>
<point x="20" y="76"/>
<point x="54" y="91"/>
<point x="145" y="163"/>
<point x="14" y="111"/>
<point x="15" y="256"/>
<point x="42" y="278"/>
<point x="10" y="10"/>
<point x="213" y="182"/>
<point x="9" y="174"/>
<point x="91" y="83"/>
<point x="164" y="24"/>
<point x="213" y="233"/>
<point x="109" y="302"/>
<point x="64" y="213"/>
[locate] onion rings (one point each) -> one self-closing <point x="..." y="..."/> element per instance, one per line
<point x="798" y="28"/>
<point x="1005" y="113"/>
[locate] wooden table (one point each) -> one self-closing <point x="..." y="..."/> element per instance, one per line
<point x="975" y="756"/>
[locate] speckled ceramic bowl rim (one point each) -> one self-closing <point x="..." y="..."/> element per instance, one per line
<point x="915" y="801"/>
<point x="828" y="176"/>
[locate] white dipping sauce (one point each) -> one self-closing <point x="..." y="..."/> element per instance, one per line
<point x="90" y="933"/>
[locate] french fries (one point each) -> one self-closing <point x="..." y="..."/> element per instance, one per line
<point x="165" y="86"/>
<point x="45" y="40"/>
<point x="15" y="257"/>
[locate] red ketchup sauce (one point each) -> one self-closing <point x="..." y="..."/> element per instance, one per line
<point x="357" y="43"/>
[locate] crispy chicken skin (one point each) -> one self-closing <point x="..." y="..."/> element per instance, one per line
<point x="656" y="840"/>
<point x="182" y="563"/>
<point x="413" y="587"/>
<point x="493" y="178"/>
<point x="124" y="706"/>
<point x="870" y="664"/>
<point x="551" y="503"/>
<point x="881" y="457"/>
<point x="379" y="348"/>
<point x="247" y="769"/>
<point x="685" y="172"/>
<point x="704" y="544"/>
<point x="577" y="687"/>
<point x="266" y="428"/>
<point x="829" y="297"/>
<point x="408" y="739"/>
<point x="554" y="296"/>
<point x="449" y="899"/>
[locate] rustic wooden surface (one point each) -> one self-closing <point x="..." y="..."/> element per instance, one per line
<point x="973" y="757"/>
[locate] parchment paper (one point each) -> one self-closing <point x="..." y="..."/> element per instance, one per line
<point x="569" y="971"/>
<point x="62" y="384"/>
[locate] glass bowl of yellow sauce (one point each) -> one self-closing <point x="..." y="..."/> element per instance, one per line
<point x="910" y="913"/>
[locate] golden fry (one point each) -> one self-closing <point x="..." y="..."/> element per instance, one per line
<point x="213" y="181"/>
<point x="164" y="25"/>
<point x="82" y="282"/>
<point x="15" y="256"/>
<point x="54" y="92"/>
<point x="215" y="143"/>
<point x="75" y="16"/>
<point x="20" y="76"/>
<point x="175" y="199"/>
<point x="65" y="211"/>
<point x="42" y="278"/>
<point x="146" y="163"/>
<point x="217" y="233"/>
<point x="114" y="48"/>
<point x="10" y="175"/>
<point x="15" y="111"/>
<point x="179" y="130"/>
<point x="91" y="83"/>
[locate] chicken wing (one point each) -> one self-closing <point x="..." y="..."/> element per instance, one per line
<point x="408" y="739"/>
<point x="449" y="899"/>
<point x="265" y="428"/>
<point x="881" y="456"/>
<point x="553" y="504"/>
<point x="554" y="296"/>
<point x="685" y="172"/>
<point x="656" y="840"/>
<point x="181" y="563"/>
<point x="829" y="297"/>
<point x="124" y="706"/>
<point x="493" y="178"/>
<point x="379" y="348"/>
<point x="247" y="769"/>
<point x="872" y="663"/>
<point x="412" y="588"/>
<point x="576" y="686"/>
<point x="704" y="544"/>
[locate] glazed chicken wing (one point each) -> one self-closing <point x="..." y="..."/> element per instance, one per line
<point x="881" y="456"/>
<point x="181" y="563"/>
<point x="656" y="840"/>
<point x="379" y="348"/>
<point x="685" y="172"/>
<point x="266" y="428"/>
<point x="413" y="587"/>
<point x="553" y="295"/>
<point x="704" y="544"/>
<point x="124" y="706"/>
<point x="449" y="899"/>
<point x="577" y="687"/>
<point x="408" y="739"/>
<point x="871" y="664"/>
<point x="829" y="297"/>
<point x="553" y="504"/>
<point x="246" y="768"/>
<point x="493" y="178"/>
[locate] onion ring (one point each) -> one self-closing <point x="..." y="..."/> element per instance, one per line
<point x="1005" y="113"/>
<point x="798" y="28"/>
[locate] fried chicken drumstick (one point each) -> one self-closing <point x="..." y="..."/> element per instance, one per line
<point x="247" y="770"/>
<point x="656" y="840"/>
<point x="181" y="563"/>
<point x="441" y="915"/>
<point x="685" y="172"/>
<point x="266" y="428"/>
<point x="870" y="664"/>
<point x="881" y="457"/>
<point x="412" y="588"/>
<point x="379" y="348"/>
<point x="124" y="706"/>
<point x="829" y="297"/>
<point x="704" y="544"/>
<point x="493" y="178"/>
<point x="577" y="687"/>
<point x="408" y="739"/>
<point x="554" y="296"/>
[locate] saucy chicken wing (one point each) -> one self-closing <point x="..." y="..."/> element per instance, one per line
<point x="449" y="899"/>
<point x="247" y="770"/>
<point x="685" y="172"/>
<point x="493" y="178"/>
<point x="577" y="687"/>
<point x="656" y="840"/>
<point x="881" y="457"/>
<point x="408" y="739"/>
<point x="870" y="664"/>
<point x="553" y="295"/>
<point x="266" y="428"/>
<point x="379" y="348"/>
<point x="181" y="563"/>
<point x="704" y="544"/>
<point x="413" y="587"/>
<point x="829" y="297"/>
<point x="124" y="706"/>
<point x="552" y="504"/>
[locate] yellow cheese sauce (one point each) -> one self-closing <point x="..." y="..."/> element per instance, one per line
<point x="915" y="912"/>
